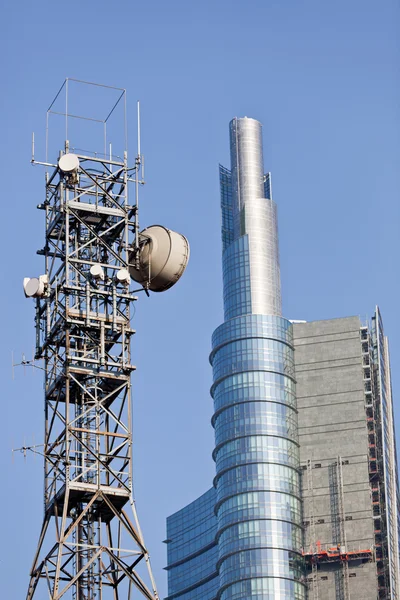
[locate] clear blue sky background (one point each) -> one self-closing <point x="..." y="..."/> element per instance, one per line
<point x="323" y="78"/>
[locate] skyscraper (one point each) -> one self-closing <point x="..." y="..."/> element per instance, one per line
<point x="256" y="443"/>
<point x="256" y="534"/>
<point x="249" y="537"/>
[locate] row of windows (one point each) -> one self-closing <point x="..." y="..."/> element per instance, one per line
<point x="260" y="345"/>
<point x="256" y="534"/>
<point x="274" y="385"/>
<point x="263" y="504"/>
<point x="190" y="543"/>
<point x="253" y="355"/>
<point x="237" y="303"/>
<point x="207" y="591"/>
<point x="236" y="279"/>
<point x="195" y="512"/>
<point x="252" y="393"/>
<point x="188" y="573"/>
<point x="226" y="233"/>
<point x="268" y="326"/>
<point x="261" y="476"/>
<point x="255" y="418"/>
<point x="265" y="589"/>
<point x="236" y="256"/>
<point x="251" y="278"/>
<point x="258" y="409"/>
<point x="266" y="562"/>
<point x="267" y="185"/>
<point x="254" y="449"/>
<point x="225" y="179"/>
<point x="192" y="528"/>
<point x="237" y="273"/>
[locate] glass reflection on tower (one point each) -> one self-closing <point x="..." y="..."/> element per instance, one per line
<point x="256" y="451"/>
<point x="242" y="539"/>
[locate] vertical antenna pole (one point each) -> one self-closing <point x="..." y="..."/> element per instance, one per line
<point x="138" y="128"/>
<point x="47" y="137"/>
<point x="33" y="147"/>
<point x="66" y="108"/>
<point x="125" y="124"/>
<point x="137" y="178"/>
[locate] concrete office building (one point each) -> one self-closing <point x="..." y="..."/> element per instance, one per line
<point x="348" y="459"/>
<point x="250" y="537"/>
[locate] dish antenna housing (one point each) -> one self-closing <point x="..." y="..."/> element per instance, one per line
<point x="162" y="258"/>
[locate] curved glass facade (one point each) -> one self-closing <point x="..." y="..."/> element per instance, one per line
<point x="192" y="551"/>
<point x="255" y="550"/>
<point x="259" y="528"/>
<point x="257" y="459"/>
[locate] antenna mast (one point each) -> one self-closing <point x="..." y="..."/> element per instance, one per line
<point x="90" y="546"/>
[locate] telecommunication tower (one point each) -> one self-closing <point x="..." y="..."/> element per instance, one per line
<point x="91" y="546"/>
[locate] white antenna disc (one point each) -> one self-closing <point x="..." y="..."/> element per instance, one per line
<point x="32" y="287"/>
<point x="123" y="276"/>
<point x="97" y="272"/>
<point x="162" y="260"/>
<point x="68" y="163"/>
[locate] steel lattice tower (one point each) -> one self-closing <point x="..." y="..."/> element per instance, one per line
<point x="90" y="545"/>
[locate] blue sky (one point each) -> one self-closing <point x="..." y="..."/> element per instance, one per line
<point x="323" y="78"/>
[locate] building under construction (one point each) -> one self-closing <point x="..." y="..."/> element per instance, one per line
<point x="348" y="459"/>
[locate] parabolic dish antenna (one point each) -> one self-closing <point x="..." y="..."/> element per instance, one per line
<point x="163" y="257"/>
<point x="68" y="163"/>
<point x="32" y="287"/>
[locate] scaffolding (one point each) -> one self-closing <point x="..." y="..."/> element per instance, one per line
<point x="314" y="564"/>
<point x="338" y="553"/>
<point x="90" y="546"/>
<point x="335" y="554"/>
<point x="336" y="493"/>
<point x="375" y="459"/>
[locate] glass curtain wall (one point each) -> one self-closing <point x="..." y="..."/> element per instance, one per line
<point x="192" y="551"/>
<point x="257" y="486"/>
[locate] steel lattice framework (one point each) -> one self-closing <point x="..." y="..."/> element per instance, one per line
<point x="90" y="545"/>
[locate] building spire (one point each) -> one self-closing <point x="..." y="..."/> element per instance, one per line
<point x="249" y="227"/>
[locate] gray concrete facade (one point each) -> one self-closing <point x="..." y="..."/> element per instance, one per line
<point x="337" y="506"/>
